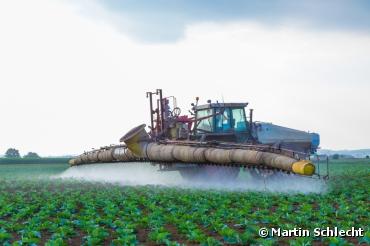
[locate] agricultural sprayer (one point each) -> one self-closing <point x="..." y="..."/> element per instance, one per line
<point x="215" y="141"/>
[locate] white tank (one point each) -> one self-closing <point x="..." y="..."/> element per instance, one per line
<point x="284" y="137"/>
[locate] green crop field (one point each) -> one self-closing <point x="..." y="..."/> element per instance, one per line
<point x="38" y="209"/>
<point x="43" y="160"/>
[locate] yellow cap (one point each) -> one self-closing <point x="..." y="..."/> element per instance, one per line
<point x="303" y="167"/>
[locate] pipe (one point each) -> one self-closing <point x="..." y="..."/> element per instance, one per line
<point x="137" y="140"/>
<point x="106" y="155"/>
<point x="251" y="122"/>
<point x="150" y="95"/>
<point x="161" y="108"/>
<point x="140" y="147"/>
<point x="123" y="154"/>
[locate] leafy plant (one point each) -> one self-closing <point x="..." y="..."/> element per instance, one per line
<point x="33" y="210"/>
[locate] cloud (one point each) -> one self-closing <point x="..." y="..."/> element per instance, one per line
<point x="69" y="83"/>
<point x="166" y="20"/>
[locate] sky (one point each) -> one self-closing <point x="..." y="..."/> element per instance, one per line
<point x="73" y="74"/>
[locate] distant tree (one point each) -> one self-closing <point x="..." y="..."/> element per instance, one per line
<point x="335" y="156"/>
<point x="31" y="155"/>
<point x="12" y="153"/>
<point x="367" y="157"/>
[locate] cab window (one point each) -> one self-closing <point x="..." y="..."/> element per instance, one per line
<point x="238" y="120"/>
<point x="223" y="120"/>
<point x="207" y="123"/>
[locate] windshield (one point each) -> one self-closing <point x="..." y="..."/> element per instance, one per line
<point x="223" y="120"/>
<point x="207" y="123"/>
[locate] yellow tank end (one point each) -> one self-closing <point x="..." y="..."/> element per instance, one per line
<point x="303" y="167"/>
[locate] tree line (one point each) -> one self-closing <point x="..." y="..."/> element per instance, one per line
<point x="14" y="153"/>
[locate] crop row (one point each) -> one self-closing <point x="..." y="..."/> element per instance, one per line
<point x="63" y="213"/>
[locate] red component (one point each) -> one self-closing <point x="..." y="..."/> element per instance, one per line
<point x="185" y="119"/>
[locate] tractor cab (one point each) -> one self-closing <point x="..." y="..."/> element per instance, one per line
<point x="226" y="122"/>
<point x="222" y="122"/>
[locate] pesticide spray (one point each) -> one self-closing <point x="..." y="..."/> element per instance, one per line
<point x="136" y="174"/>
